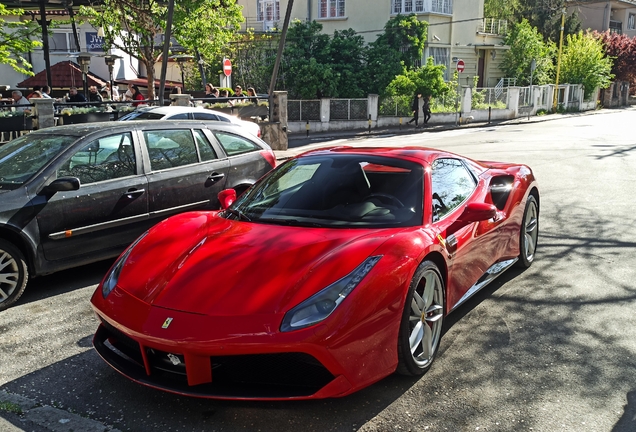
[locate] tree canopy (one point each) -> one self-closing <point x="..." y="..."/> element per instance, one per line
<point x="584" y="62"/>
<point x="622" y="49"/>
<point x="526" y="44"/>
<point x="17" y="39"/>
<point x="136" y="27"/>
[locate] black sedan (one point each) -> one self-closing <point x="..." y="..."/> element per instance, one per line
<point x="77" y="194"/>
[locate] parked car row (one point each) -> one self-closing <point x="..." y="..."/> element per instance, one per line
<point x="76" y="194"/>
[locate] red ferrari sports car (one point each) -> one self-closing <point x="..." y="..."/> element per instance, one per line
<point x="333" y="271"/>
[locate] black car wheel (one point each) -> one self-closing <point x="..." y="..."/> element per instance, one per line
<point x="529" y="233"/>
<point x="13" y="274"/>
<point x="422" y="320"/>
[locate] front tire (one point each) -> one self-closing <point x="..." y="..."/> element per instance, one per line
<point x="13" y="274"/>
<point x="422" y="320"/>
<point x="529" y="233"/>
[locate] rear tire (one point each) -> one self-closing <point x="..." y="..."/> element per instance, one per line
<point x="13" y="274"/>
<point x="422" y="320"/>
<point x="528" y="233"/>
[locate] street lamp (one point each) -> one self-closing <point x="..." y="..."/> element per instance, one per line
<point x="84" y="60"/>
<point x="110" y="60"/>
<point x="182" y="58"/>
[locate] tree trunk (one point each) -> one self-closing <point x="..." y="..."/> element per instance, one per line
<point x="150" y="72"/>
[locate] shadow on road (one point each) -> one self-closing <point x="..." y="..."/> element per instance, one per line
<point x="627" y="422"/>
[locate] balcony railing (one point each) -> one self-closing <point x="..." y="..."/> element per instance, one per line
<point x="493" y="26"/>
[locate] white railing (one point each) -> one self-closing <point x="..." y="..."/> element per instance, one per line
<point x="493" y="26"/>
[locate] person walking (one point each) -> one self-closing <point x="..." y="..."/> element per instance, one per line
<point x="415" y="106"/>
<point x="426" y="109"/>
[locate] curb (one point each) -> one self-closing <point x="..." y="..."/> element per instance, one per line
<point x="48" y="418"/>
<point x="321" y="137"/>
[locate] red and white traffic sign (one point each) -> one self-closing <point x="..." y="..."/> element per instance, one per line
<point x="460" y="65"/>
<point x="227" y="67"/>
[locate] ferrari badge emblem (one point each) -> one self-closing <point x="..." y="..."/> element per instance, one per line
<point x="174" y="359"/>
<point x="441" y="240"/>
<point x="166" y="323"/>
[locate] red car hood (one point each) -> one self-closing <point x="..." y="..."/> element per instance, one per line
<point x="205" y="264"/>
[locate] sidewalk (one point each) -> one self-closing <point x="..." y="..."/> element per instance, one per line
<point x="300" y="142"/>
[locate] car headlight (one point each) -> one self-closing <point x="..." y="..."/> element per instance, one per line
<point x="319" y="306"/>
<point x="111" y="280"/>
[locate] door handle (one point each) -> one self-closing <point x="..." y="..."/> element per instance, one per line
<point x="215" y="176"/>
<point x="134" y="193"/>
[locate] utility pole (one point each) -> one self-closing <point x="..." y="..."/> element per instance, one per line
<point x="556" y="88"/>
<point x="279" y="55"/>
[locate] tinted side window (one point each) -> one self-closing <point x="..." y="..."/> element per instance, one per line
<point x="234" y="145"/>
<point x="205" y="149"/>
<point x="205" y="116"/>
<point x="170" y="148"/>
<point x="103" y="159"/>
<point x="451" y="184"/>
<point x="182" y="116"/>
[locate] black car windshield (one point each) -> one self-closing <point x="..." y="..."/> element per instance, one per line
<point x="142" y="115"/>
<point x="336" y="190"/>
<point x="23" y="157"/>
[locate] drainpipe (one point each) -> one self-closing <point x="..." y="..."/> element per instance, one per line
<point x="308" y="10"/>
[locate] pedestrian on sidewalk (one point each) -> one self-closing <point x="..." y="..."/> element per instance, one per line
<point x="427" y="109"/>
<point x="416" y="108"/>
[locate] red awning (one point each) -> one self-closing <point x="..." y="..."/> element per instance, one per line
<point x="143" y="82"/>
<point x="64" y="74"/>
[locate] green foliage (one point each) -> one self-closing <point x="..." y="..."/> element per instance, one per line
<point x="546" y="17"/>
<point x="584" y="62"/>
<point x="427" y="80"/>
<point x="399" y="46"/>
<point x="399" y="105"/>
<point x="205" y="26"/>
<point x="406" y="35"/>
<point x="306" y="65"/>
<point x="502" y="9"/>
<point x="348" y="58"/>
<point x="527" y="44"/>
<point x="11" y="407"/>
<point x="16" y="40"/>
<point x="254" y="57"/>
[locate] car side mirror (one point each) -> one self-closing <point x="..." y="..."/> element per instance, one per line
<point x="63" y="184"/>
<point x="476" y="212"/>
<point x="227" y="198"/>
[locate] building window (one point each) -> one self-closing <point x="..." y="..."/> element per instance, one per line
<point x="441" y="56"/>
<point x="332" y="8"/>
<point x="417" y="6"/>
<point x="616" y="27"/>
<point x="268" y="10"/>
<point x="62" y="41"/>
<point x="631" y="22"/>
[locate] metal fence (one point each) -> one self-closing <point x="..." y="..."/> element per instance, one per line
<point x="493" y="97"/>
<point x="303" y="110"/>
<point x="395" y="106"/>
<point x="348" y="109"/>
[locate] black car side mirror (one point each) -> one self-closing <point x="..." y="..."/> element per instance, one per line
<point x="62" y="184"/>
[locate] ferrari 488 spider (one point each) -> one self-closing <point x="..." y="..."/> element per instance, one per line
<point x="333" y="271"/>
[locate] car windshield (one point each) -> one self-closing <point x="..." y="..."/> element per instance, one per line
<point x="340" y="190"/>
<point x="142" y="115"/>
<point x="23" y="157"/>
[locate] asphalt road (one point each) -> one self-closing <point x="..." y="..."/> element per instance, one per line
<point x="552" y="348"/>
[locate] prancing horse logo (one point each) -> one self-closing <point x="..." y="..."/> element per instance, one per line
<point x="166" y="323"/>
